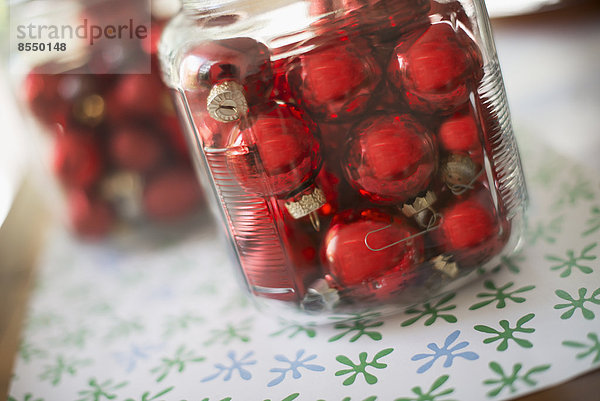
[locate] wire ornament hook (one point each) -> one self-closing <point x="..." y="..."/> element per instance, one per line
<point x="428" y="229"/>
<point x="459" y="189"/>
<point x="315" y="220"/>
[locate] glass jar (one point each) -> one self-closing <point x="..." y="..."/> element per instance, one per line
<point x="360" y="152"/>
<point x="86" y="73"/>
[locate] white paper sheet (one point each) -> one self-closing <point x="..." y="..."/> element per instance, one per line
<point x="171" y="323"/>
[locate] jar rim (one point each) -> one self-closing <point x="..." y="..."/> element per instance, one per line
<point x="210" y="6"/>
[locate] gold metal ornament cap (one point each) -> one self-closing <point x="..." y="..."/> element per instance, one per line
<point x="444" y="264"/>
<point x="226" y="102"/>
<point x="421" y="209"/>
<point x="124" y="190"/>
<point x="307" y="204"/>
<point x="420" y="204"/>
<point x="90" y="110"/>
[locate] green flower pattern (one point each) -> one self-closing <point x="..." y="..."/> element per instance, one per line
<point x="507" y="333"/>
<point x="433" y="311"/>
<point x="179" y="361"/>
<point x="231" y="332"/>
<point x="100" y="391"/>
<point x="572" y="261"/>
<point x="148" y="397"/>
<point x="29" y="352"/>
<point x="592" y="349"/>
<point x="293" y="328"/>
<point x="54" y="372"/>
<point x="360" y="325"/>
<point x="27" y="397"/>
<point x="579" y="303"/>
<point x="574" y="191"/>
<point x="500" y="295"/>
<point x="432" y="394"/>
<point x="361" y="366"/>
<point x="545" y="232"/>
<point x="510" y="381"/>
<point x="593" y="223"/>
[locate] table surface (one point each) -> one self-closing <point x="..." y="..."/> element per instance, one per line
<point x="550" y="63"/>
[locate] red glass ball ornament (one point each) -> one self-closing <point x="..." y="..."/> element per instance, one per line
<point x="361" y="246"/>
<point x="467" y="224"/>
<point x="150" y="44"/>
<point x="459" y="133"/>
<point x="90" y="218"/>
<point x="333" y="138"/>
<point x="451" y="10"/>
<point x="135" y="147"/>
<point x="171" y="126"/>
<point x="382" y="18"/>
<point x="329" y="183"/>
<point x="281" y="88"/>
<point x="302" y="249"/>
<point x="334" y="82"/>
<point x="243" y="60"/>
<point x="136" y="95"/>
<point x="470" y="230"/>
<point x="77" y="160"/>
<point x="387" y="18"/>
<point x="390" y="158"/>
<point x="276" y="152"/>
<point x="171" y="194"/>
<point x="42" y="97"/>
<point x="438" y="71"/>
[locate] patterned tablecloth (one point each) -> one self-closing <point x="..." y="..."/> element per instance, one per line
<point x="107" y="323"/>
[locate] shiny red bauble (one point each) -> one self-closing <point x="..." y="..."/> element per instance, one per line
<point x="275" y="152"/>
<point x="91" y="218"/>
<point x="171" y="194"/>
<point x="466" y="224"/>
<point x="364" y="245"/>
<point x="372" y="17"/>
<point x="438" y="71"/>
<point x="386" y="18"/>
<point x="243" y="60"/>
<point x="135" y="148"/>
<point x="459" y="133"/>
<point x="391" y="158"/>
<point x="77" y="161"/>
<point x="41" y="92"/>
<point x="335" y="83"/>
<point x="470" y="230"/>
<point x="136" y="95"/>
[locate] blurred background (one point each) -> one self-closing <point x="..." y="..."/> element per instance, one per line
<point x="104" y="154"/>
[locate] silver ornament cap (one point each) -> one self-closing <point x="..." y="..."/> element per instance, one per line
<point x="226" y="102"/>
<point x="459" y="172"/>
<point x="444" y="264"/>
<point x="307" y="204"/>
<point x="320" y="296"/>
<point x="421" y="210"/>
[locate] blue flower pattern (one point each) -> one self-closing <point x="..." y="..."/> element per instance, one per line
<point x="235" y="365"/>
<point x="445" y="351"/>
<point x="294" y="367"/>
<point x="130" y="358"/>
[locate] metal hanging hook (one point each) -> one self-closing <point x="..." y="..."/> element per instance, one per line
<point x="429" y="228"/>
<point x="315" y="220"/>
<point x="459" y="189"/>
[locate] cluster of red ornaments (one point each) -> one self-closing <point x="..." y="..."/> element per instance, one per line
<point x="117" y="147"/>
<point x="374" y="130"/>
